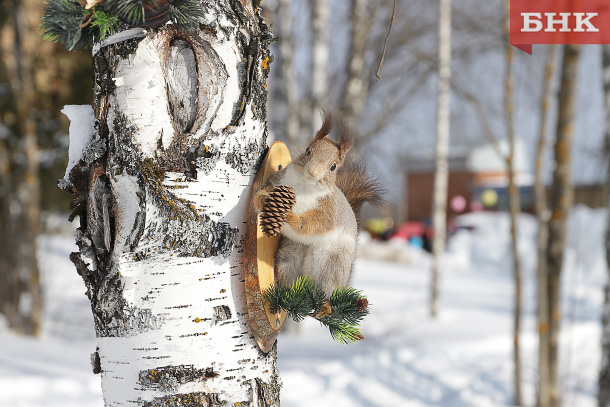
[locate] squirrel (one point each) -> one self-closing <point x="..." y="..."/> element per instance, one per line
<point x="319" y="236"/>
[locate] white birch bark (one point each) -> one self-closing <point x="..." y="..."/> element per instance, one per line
<point x="180" y="129"/>
<point x="441" y="175"/>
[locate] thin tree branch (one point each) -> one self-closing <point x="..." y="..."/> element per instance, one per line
<point x="385" y="44"/>
<point x="482" y="116"/>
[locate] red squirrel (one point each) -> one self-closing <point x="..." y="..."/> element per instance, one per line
<point x="319" y="236"/>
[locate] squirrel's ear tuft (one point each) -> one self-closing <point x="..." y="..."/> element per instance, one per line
<point x="327" y="125"/>
<point x="346" y="139"/>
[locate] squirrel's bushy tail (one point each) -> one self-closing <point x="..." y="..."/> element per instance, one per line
<point x="358" y="186"/>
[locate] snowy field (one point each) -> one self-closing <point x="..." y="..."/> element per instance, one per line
<point x="461" y="359"/>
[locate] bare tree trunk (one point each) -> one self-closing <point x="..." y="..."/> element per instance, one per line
<point x="355" y="91"/>
<point x="176" y="133"/>
<point x="442" y="149"/>
<point x="288" y="76"/>
<point x="319" y="50"/>
<point x="20" y="291"/>
<point x="514" y="205"/>
<point x="542" y="215"/>
<point x="561" y="197"/>
<point x="603" y="396"/>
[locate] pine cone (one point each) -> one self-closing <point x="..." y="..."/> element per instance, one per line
<point x="362" y="304"/>
<point x="278" y="202"/>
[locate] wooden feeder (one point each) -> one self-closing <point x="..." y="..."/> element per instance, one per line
<point x="259" y="255"/>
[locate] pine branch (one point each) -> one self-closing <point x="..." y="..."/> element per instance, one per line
<point x="61" y="23"/>
<point x="341" y="314"/>
<point x="186" y="14"/>
<point x="105" y="23"/>
<point x="130" y="11"/>
<point x="67" y="22"/>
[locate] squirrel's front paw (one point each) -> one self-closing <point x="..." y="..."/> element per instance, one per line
<point x="277" y="203"/>
<point x="259" y="200"/>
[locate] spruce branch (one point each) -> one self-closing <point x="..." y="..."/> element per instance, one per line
<point x="341" y="314"/>
<point x="68" y="22"/>
<point x="61" y="23"/>
<point x="186" y="14"/>
<point x="105" y="23"/>
<point x="130" y="11"/>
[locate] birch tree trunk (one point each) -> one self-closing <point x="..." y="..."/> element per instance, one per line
<point x="514" y="204"/>
<point x="162" y="190"/>
<point x="560" y="202"/>
<point x="604" y="374"/>
<point x="439" y="212"/>
<point x="542" y="215"/>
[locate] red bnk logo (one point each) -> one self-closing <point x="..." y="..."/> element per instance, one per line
<point x="559" y="22"/>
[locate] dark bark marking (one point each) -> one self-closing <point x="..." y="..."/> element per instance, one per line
<point x="182" y="84"/>
<point x="195" y="399"/>
<point x="201" y="78"/>
<point x="112" y="315"/>
<point x="125" y="48"/>
<point x="180" y="156"/>
<point x="95" y="362"/>
<point x="258" y="393"/>
<point x="243" y="160"/>
<point x="221" y="313"/>
<point x="206" y="157"/>
<point x="101" y="226"/>
<point x="245" y="75"/>
<point x="103" y="75"/>
<point x="185" y="230"/>
<point x="126" y="156"/>
<point x="168" y="378"/>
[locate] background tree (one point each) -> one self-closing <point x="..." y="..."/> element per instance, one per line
<point x="514" y="202"/>
<point x="604" y="374"/>
<point x="441" y="175"/>
<point x="560" y="202"/>
<point x="34" y="79"/>
<point x="542" y="239"/>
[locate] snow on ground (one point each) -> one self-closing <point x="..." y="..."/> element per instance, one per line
<point x="461" y="359"/>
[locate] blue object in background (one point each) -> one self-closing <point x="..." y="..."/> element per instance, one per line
<point x="416" y="241"/>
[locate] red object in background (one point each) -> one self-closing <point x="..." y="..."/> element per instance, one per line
<point x="476" y="206"/>
<point x="410" y="229"/>
<point x="559" y="22"/>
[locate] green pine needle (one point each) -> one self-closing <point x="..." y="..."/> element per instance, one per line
<point x="62" y="19"/>
<point x="303" y="298"/>
<point x="345" y="334"/>
<point x="105" y="23"/>
<point x="186" y="14"/>
<point x="61" y="23"/>
<point x="130" y="11"/>
<point x="342" y="302"/>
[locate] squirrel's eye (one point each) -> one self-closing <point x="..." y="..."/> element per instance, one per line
<point x="308" y="152"/>
<point x="333" y="167"/>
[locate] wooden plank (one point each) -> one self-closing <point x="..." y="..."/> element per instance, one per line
<point x="259" y="255"/>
